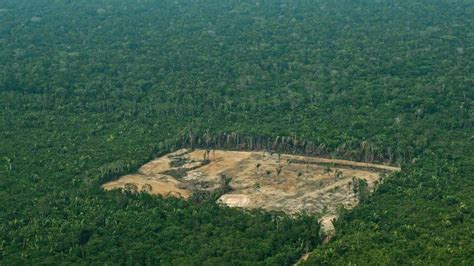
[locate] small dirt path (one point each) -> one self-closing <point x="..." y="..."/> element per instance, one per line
<point x="327" y="231"/>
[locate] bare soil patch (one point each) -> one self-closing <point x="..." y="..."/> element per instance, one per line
<point x="279" y="182"/>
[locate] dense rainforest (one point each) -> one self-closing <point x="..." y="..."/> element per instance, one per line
<point x="90" y="90"/>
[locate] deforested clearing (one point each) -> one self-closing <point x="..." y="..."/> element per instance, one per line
<point x="260" y="179"/>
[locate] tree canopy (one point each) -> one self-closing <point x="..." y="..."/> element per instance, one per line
<point x="90" y="90"/>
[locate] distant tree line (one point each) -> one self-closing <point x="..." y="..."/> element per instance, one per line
<point x="364" y="151"/>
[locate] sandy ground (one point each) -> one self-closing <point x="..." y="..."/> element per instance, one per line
<point x="287" y="183"/>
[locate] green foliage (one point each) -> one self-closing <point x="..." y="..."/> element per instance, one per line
<point x="90" y="90"/>
<point x="415" y="217"/>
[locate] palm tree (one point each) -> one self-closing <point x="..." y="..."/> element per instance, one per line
<point x="278" y="170"/>
<point x="355" y="186"/>
<point x="257" y="165"/>
<point x="337" y="175"/>
<point x="225" y="183"/>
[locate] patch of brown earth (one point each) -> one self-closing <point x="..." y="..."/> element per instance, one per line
<point x="288" y="183"/>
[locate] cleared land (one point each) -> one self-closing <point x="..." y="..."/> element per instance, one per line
<point x="271" y="181"/>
